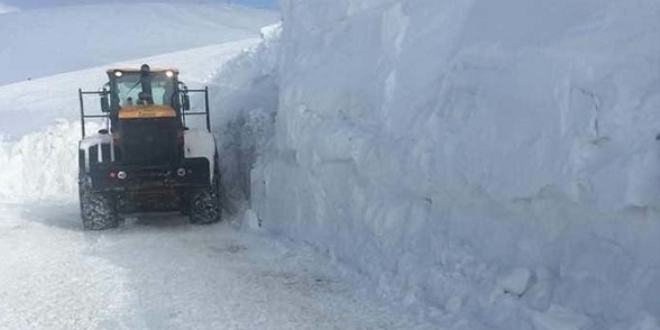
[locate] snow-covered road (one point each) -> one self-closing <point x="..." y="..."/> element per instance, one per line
<point x="158" y="272"/>
<point x="155" y="272"/>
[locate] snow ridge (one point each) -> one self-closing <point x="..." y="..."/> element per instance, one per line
<point x="41" y="165"/>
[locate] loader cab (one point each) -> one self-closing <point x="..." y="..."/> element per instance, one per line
<point x="128" y="88"/>
<point x="145" y="110"/>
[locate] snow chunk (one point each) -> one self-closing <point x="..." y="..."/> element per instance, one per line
<point x="516" y="282"/>
<point x="272" y="31"/>
<point x="560" y="318"/>
<point x="251" y="220"/>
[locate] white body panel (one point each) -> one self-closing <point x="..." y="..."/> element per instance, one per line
<point x="96" y="141"/>
<point x="200" y="143"/>
<point x="197" y="143"/>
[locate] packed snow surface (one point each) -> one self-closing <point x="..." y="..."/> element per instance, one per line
<point x="159" y="272"/>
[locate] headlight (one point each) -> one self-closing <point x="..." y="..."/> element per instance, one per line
<point x="169" y="74"/>
<point x="118" y="73"/>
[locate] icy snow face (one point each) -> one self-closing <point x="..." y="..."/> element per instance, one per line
<point x="435" y="144"/>
<point x="245" y="96"/>
<point x="511" y="97"/>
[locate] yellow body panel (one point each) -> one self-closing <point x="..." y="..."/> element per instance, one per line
<point x="146" y="111"/>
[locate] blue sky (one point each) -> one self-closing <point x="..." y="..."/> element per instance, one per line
<point x="40" y="3"/>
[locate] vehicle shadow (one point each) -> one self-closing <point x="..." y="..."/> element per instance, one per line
<point x="64" y="215"/>
<point x="67" y="216"/>
<point x="155" y="220"/>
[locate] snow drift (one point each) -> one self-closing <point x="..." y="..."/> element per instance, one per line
<point x="495" y="160"/>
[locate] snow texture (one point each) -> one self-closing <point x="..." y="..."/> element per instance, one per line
<point x="434" y="145"/>
<point x="158" y="272"/>
<point x="245" y="95"/>
<point x="516" y="282"/>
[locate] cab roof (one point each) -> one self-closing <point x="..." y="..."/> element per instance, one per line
<point x="137" y="70"/>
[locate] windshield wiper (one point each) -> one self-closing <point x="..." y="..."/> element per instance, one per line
<point x="132" y="88"/>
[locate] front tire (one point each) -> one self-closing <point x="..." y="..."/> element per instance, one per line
<point x="205" y="206"/>
<point x="98" y="209"/>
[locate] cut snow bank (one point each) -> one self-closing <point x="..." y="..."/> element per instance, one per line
<point x="245" y="96"/>
<point x="438" y="146"/>
<point x="41" y="165"/>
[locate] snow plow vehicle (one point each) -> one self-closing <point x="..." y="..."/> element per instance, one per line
<point x="146" y="159"/>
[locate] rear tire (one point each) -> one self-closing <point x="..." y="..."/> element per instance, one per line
<point x="98" y="209"/>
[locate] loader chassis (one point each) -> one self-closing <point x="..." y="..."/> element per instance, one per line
<point x="146" y="159"/>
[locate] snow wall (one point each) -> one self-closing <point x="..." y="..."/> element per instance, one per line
<point x="495" y="160"/>
<point x="244" y="96"/>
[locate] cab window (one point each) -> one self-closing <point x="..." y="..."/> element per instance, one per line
<point x="129" y="89"/>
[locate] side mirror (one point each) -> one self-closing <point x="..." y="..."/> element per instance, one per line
<point x="105" y="102"/>
<point x="185" y="104"/>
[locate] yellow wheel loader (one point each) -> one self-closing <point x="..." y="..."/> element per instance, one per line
<point x="146" y="159"/>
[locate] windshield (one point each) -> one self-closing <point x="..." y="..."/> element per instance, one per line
<point x="130" y="89"/>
